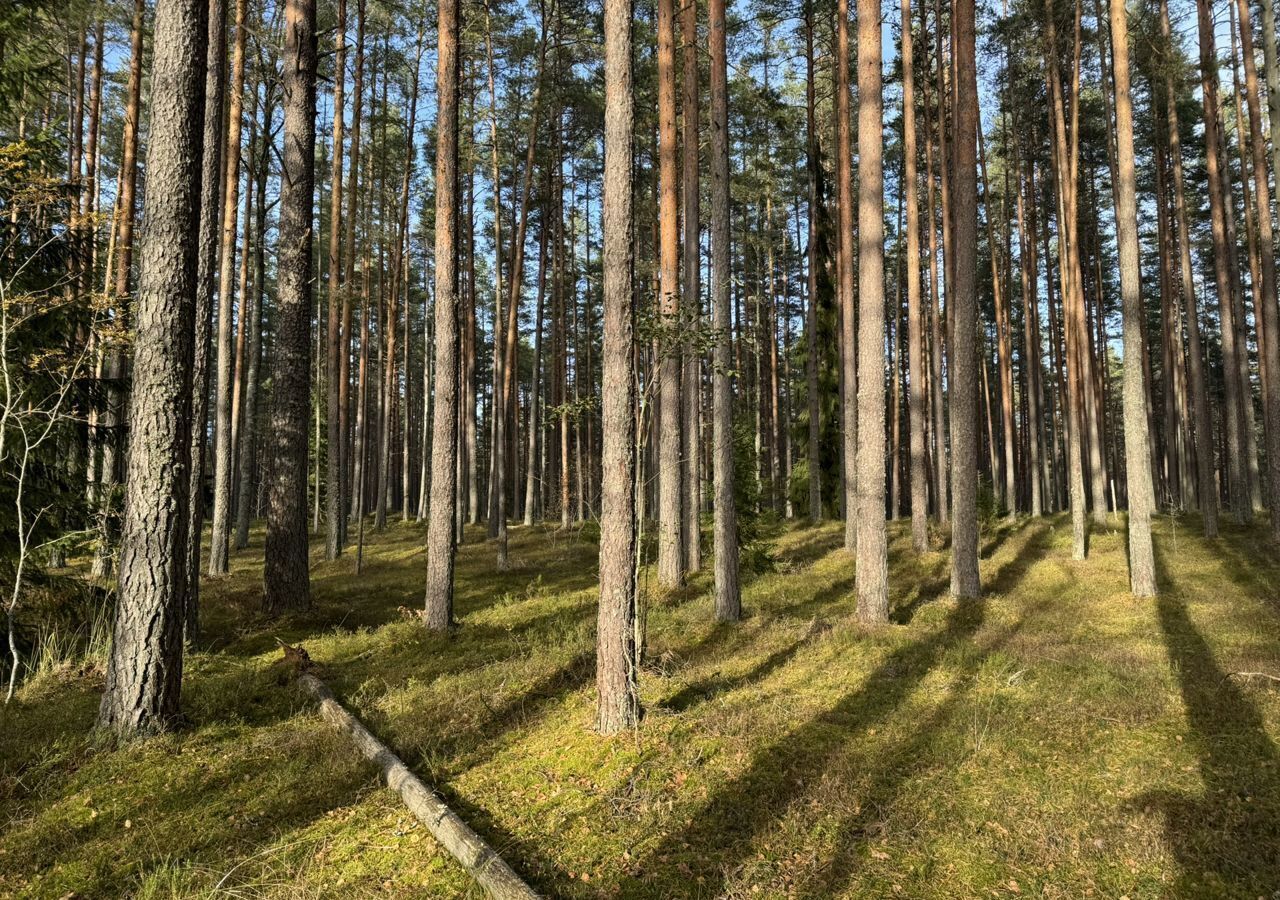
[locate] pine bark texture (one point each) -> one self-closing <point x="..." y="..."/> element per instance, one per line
<point x="871" y="575"/>
<point x="728" y="596"/>
<point x="144" y="673"/>
<point x="964" y="382"/>
<point x="1141" y="491"/>
<point x="285" y="579"/>
<point x="618" y="702"/>
<point x="441" y="534"/>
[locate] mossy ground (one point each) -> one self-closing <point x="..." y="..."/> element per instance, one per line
<point x="1056" y="739"/>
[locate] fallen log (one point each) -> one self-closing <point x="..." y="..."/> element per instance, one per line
<point x="480" y="860"/>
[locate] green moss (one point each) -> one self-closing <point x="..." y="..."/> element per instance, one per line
<point x="1056" y="739"/>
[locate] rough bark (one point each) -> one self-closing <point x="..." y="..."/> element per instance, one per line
<point x="915" y="311"/>
<point x="964" y="382"/>
<point x="618" y="703"/>
<point x="1142" y="569"/>
<point x="871" y="574"/>
<point x="223" y="451"/>
<point x="670" y="517"/>
<point x="848" y="352"/>
<point x="692" y="376"/>
<point x="1207" y="491"/>
<point x="144" y="673"/>
<point x="1265" y="309"/>
<point x="285" y="580"/>
<point x="210" y="224"/>
<point x="811" y="310"/>
<point x="1237" y="475"/>
<point x="335" y="478"/>
<point x="441" y="534"/>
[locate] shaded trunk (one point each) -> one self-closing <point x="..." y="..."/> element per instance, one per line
<point x="286" y="584"/>
<point x="144" y="673"/>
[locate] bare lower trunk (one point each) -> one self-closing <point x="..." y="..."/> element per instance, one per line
<point x="144" y="674"/>
<point x="441" y="535"/>
<point x="915" y="312"/>
<point x="285" y="579"/>
<point x="964" y="444"/>
<point x="670" y="518"/>
<point x="871" y="574"/>
<point x="618" y="703"/>
<point x="223" y="450"/>
<point x="210" y="223"/>
<point x="1142" y="570"/>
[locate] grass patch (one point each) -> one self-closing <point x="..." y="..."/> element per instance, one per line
<point x="1056" y="739"/>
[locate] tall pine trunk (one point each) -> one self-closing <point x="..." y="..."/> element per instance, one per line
<point x="144" y="673"/>
<point x="286" y="584"/>
<point x="441" y="534"/>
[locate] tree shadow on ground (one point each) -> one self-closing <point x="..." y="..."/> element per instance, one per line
<point x="1225" y="839"/>
<point x="721" y="833"/>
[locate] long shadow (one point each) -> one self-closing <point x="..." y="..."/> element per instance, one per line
<point x="1225" y="839"/>
<point x="722" y="832"/>
<point x="1255" y="572"/>
<point x="705" y="689"/>
<point x="1034" y="549"/>
<point x="897" y="765"/>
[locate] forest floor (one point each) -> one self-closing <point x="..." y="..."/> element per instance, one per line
<point x="1056" y="739"/>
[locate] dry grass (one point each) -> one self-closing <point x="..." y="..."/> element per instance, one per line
<point x="1057" y="739"/>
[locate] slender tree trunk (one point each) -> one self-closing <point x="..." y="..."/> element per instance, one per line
<point x="1222" y="248"/>
<point x="210" y="224"/>
<point x="618" y="703"/>
<point x="1074" y="332"/>
<point x="1137" y="458"/>
<point x="728" y="598"/>
<point x="285" y="582"/>
<point x="915" y="312"/>
<point x="871" y="574"/>
<point x="848" y="352"/>
<point x="535" y="388"/>
<point x="223" y="451"/>
<point x="692" y="376"/>
<point x="253" y="312"/>
<point x="941" y="470"/>
<point x="811" y="311"/>
<point x="1265" y="310"/>
<point x="144" y="673"/>
<point x="115" y="358"/>
<point x="441" y="534"/>
<point x="670" y="517"/>
<point x="1207" y="484"/>
<point x="335" y="478"/>
<point x="964" y="444"/>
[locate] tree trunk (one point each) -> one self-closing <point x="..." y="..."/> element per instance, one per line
<point x="1265" y="311"/>
<point x="441" y="535"/>
<point x="210" y="224"/>
<point x="670" y="517"/>
<point x="144" y="673"/>
<point x="811" y="310"/>
<point x="848" y="352"/>
<point x="335" y="478"/>
<point x="964" y="443"/>
<point x="871" y="574"/>
<point x="1237" y="476"/>
<point x="616" y="663"/>
<point x="691" y="288"/>
<point x="285" y="580"/>
<point x="1204" y="446"/>
<point x="1137" y="458"/>
<point x="223" y="451"/>
<point x="915" y="312"/>
<point x="253" y="311"/>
